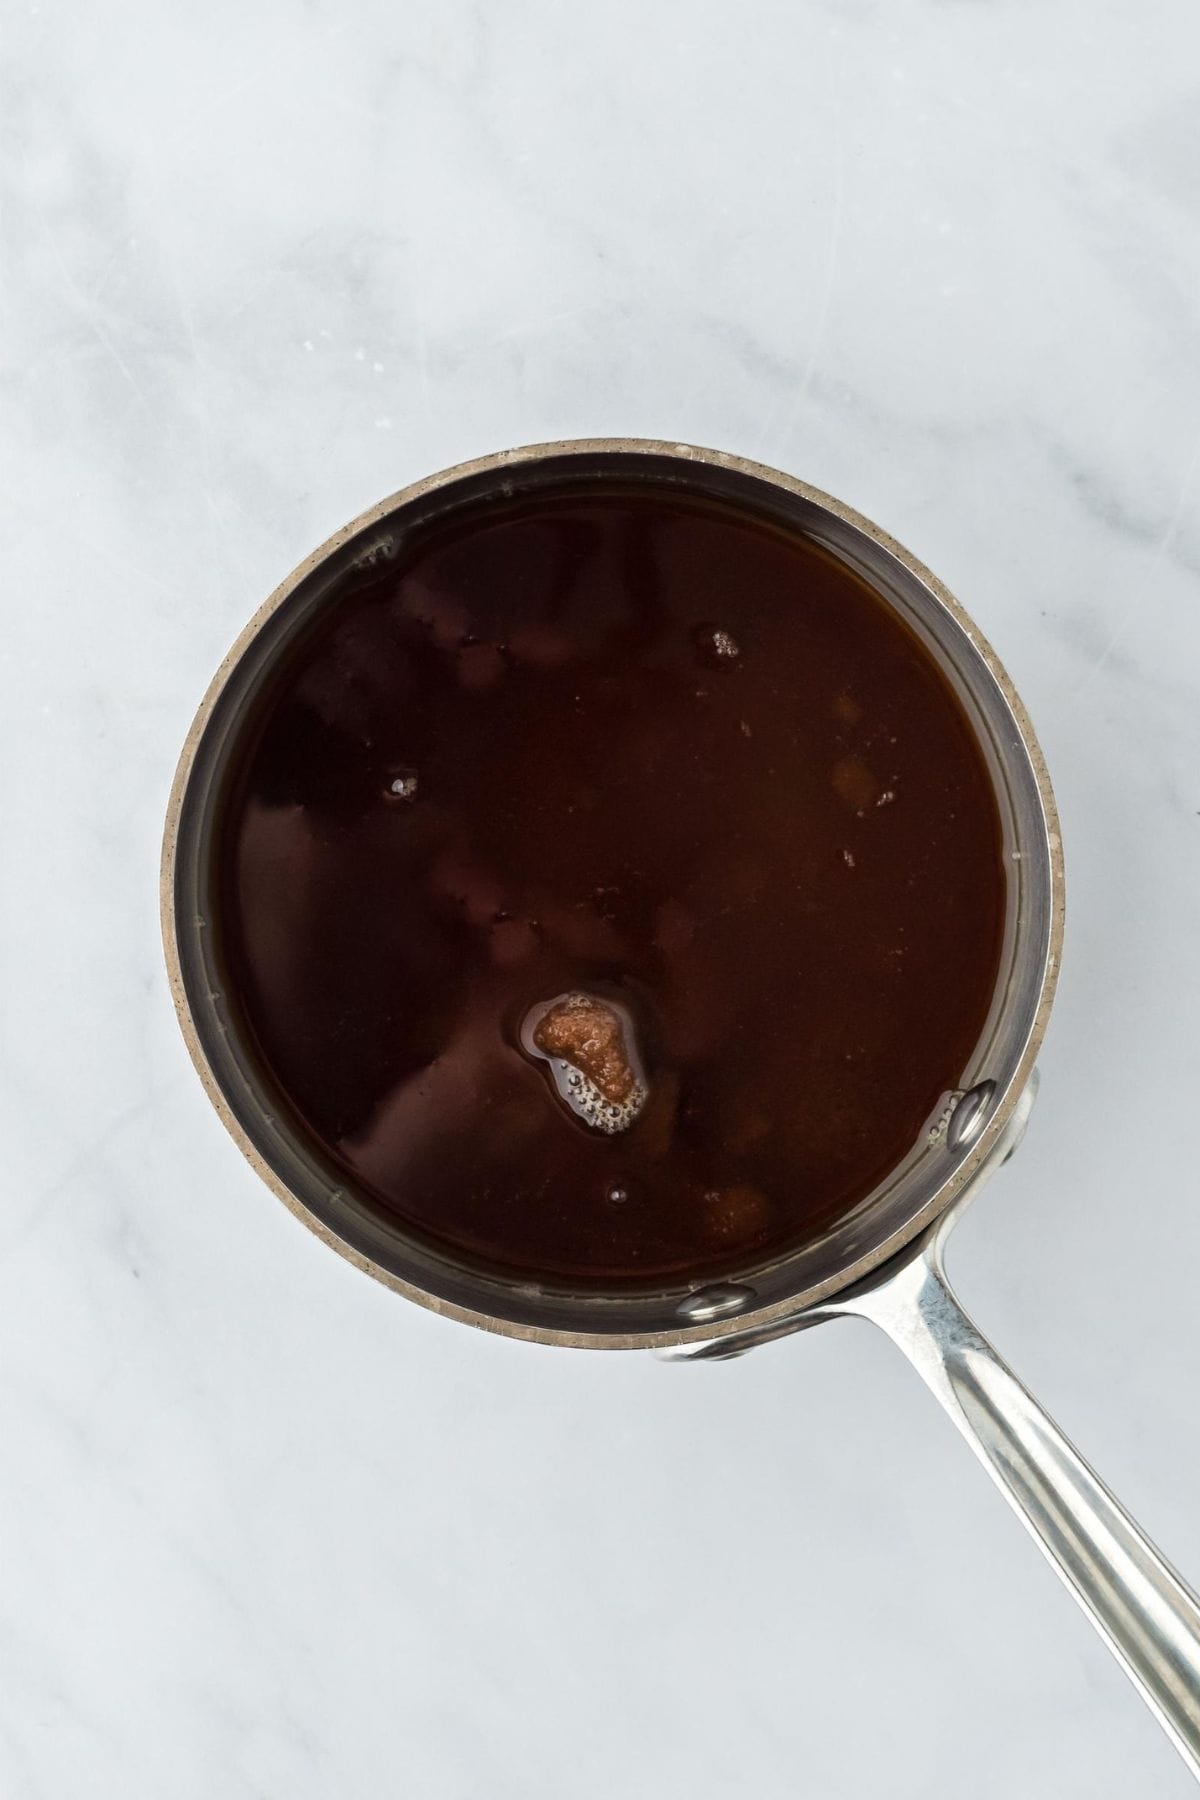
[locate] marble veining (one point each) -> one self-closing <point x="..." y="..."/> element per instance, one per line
<point x="266" y="1530"/>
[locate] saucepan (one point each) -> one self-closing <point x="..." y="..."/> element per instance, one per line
<point x="883" y="1262"/>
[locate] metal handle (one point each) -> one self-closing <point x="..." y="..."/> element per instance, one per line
<point x="1147" y="1615"/>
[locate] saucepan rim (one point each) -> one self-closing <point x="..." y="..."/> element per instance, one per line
<point x="533" y="1311"/>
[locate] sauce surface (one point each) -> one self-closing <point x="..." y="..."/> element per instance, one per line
<point x="638" y="754"/>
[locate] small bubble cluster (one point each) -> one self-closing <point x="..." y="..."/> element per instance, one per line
<point x="715" y="646"/>
<point x="584" y="1097"/>
<point x="402" y="785"/>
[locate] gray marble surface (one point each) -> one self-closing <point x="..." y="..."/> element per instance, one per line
<point x="268" y="1531"/>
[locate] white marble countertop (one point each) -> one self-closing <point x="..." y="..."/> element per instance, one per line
<point x="267" y="1530"/>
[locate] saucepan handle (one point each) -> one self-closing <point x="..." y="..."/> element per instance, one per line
<point x="1148" y="1616"/>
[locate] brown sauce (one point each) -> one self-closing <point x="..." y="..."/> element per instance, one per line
<point x="653" y="774"/>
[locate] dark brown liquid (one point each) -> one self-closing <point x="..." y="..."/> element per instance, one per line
<point x="639" y="748"/>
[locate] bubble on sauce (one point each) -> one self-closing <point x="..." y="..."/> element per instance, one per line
<point x="402" y="784"/>
<point x="617" y="1194"/>
<point x="590" y="1050"/>
<point x="715" y="646"/>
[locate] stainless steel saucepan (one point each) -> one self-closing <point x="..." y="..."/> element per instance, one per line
<point x="884" y="1261"/>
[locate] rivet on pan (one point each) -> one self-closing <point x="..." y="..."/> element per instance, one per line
<point x="970" y="1115"/>
<point x="383" y="550"/>
<point x="715" y="1302"/>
